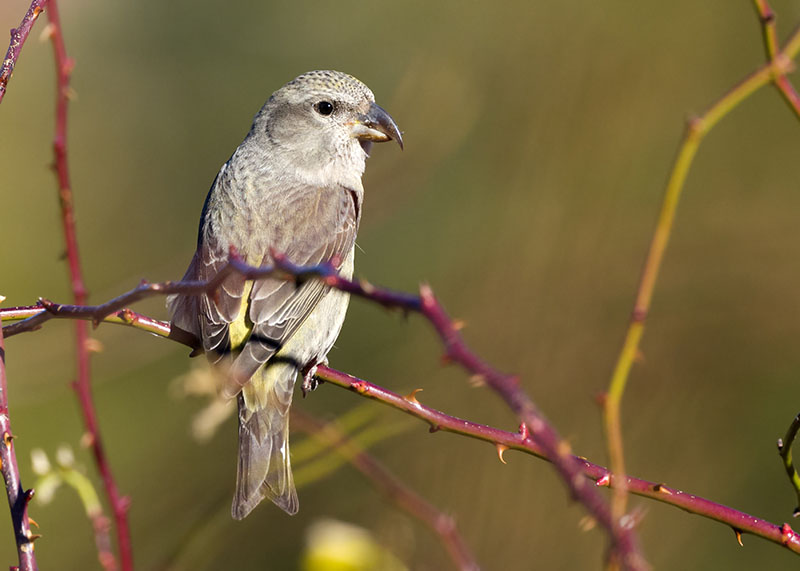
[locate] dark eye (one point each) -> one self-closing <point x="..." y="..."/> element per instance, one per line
<point x="324" y="107"/>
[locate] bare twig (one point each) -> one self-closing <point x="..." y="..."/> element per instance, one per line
<point x="82" y="385"/>
<point x="442" y="525"/>
<point x="18" y="37"/>
<point x="785" y="451"/>
<point x="18" y="498"/>
<point x="768" y="29"/>
<point x="695" y="132"/>
<point x="769" y="32"/>
<point x="502" y="440"/>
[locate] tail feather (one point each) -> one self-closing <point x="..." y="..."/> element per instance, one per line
<point x="264" y="467"/>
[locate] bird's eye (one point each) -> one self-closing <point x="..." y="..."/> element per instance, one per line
<point x="324" y="107"/>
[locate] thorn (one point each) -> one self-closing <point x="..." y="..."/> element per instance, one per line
<point x="661" y="488"/>
<point x="2" y="298"/>
<point x="412" y="396"/>
<point x="523" y="431"/>
<point x="694" y="124"/>
<point x="87" y="440"/>
<point x="125" y="503"/>
<point x="368" y="288"/>
<point x="93" y="345"/>
<point x="459" y="324"/>
<point x="29" y="495"/>
<point x="360" y="387"/>
<point x="796" y="512"/>
<point x="604" y="480"/>
<point x="7" y="438"/>
<point x="446" y="360"/>
<point x="69" y="65"/>
<point x="70" y="94"/>
<point x="47" y="32"/>
<point x="600" y="399"/>
<point x="34" y="536"/>
<point x="780" y="444"/>
<point x="434" y="428"/>
<point x="639" y="357"/>
<point x="32" y="522"/>
<point x="426" y="295"/>
<point x="738" y="536"/>
<point x="630" y="520"/>
<point x="126" y="315"/>
<point x="587" y="523"/>
<point x="500" y="449"/>
<point x="787" y="534"/>
<point x="477" y="380"/>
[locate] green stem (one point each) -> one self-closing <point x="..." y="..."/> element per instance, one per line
<point x="695" y="132"/>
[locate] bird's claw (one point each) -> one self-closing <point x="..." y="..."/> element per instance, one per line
<point x="309" y="381"/>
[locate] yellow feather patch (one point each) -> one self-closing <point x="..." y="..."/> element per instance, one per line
<point x="241" y="327"/>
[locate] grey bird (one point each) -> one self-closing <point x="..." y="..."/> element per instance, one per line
<point x="293" y="187"/>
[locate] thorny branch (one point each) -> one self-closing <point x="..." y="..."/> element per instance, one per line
<point x="30" y="318"/>
<point x="18" y="37"/>
<point x="18" y="498"/>
<point x="506" y="386"/>
<point x="780" y="63"/>
<point x="82" y="386"/>
<point x="624" y="550"/>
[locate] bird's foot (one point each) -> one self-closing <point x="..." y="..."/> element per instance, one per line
<point x="309" y="381"/>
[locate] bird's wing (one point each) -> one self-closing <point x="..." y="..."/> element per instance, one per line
<point x="206" y="316"/>
<point x="278" y="307"/>
<point x="259" y="318"/>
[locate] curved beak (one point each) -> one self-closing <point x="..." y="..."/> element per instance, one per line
<point x="376" y="125"/>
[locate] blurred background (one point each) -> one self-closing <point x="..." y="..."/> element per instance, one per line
<point x="538" y="140"/>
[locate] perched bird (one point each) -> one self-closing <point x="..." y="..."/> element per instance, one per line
<point x="293" y="187"/>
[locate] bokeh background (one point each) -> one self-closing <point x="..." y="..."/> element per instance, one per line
<point x="538" y="140"/>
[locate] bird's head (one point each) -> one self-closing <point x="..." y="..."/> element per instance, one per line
<point x="323" y="124"/>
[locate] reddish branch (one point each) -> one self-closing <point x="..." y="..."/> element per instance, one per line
<point x="405" y="498"/>
<point x="522" y="441"/>
<point x="18" y="498"/>
<point x="82" y="385"/>
<point x="739" y="521"/>
<point x="624" y="549"/>
<point x="18" y="37"/>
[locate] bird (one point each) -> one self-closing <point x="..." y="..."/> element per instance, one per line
<point x="292" y="187"/>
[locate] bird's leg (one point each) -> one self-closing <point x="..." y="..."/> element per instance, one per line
<point x="309" y="382"/>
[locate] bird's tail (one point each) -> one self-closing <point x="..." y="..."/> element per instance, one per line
<point x="264" y="469"/>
